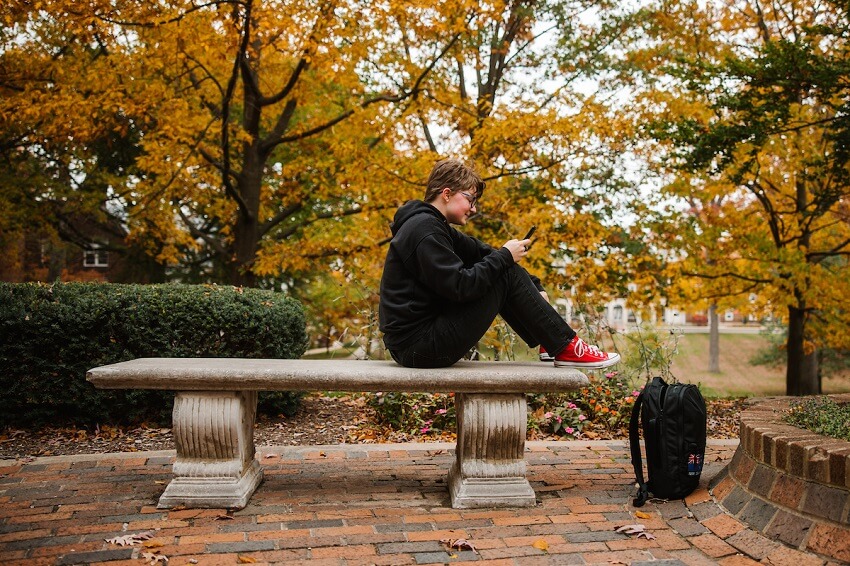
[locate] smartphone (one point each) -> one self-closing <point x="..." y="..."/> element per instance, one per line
<point x="530" y="232"/>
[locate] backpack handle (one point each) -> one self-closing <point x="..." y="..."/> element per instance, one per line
<point x="634" y="444"/>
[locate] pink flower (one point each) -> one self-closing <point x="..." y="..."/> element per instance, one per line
<point x="441" y="411"/>
<point x="569" y="430"/>
<point x="571" y="406"/>
<point x="559" y="419"/>
<point x="547" y="415"/>
<point x="581" y="418"/>
<point x="424" y="429"/>
<point x="611" y="374"/>
<point x="635" y="393"/>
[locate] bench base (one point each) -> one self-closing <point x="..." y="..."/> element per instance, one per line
<point x="470" y="493"/>
<point x="216" y="466"/>
<point x="212" y="493"/>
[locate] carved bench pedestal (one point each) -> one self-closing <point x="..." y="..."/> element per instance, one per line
<point x="489" y="470"/>
<point x="214" y="437"/>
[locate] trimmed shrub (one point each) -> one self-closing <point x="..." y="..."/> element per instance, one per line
<point x="50" y="335"/>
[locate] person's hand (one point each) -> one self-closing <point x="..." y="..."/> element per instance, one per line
<point x="518" y="248"/>
<point x="545" y="296"/>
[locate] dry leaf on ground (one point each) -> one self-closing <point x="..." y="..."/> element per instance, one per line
<point x="460" y="544"/>
<point x="154" y="558"/>
<point x="131" y="539"/>
<point x="636" y="529"/>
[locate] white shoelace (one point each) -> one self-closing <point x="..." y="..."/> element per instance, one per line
<point x="581" y="347"/>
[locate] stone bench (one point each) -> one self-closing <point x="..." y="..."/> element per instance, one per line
<point x="216" y="400"/>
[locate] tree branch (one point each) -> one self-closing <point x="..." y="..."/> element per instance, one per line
<point x="725" y="275"/>
<point x="210" y="241"/>
<point x="278" y="218"/>
<point x="225" y="112"/>
<point x="412" y="92"/>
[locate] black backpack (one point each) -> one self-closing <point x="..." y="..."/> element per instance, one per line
<point x="673" y="419"/>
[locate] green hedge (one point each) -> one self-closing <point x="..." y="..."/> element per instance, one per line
<point x="50" y="335"/>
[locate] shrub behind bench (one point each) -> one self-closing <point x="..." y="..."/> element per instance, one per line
<point x="51" y="334"/>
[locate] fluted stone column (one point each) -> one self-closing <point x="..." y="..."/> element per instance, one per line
<point x="489" y="469"/>
<point x="214" y="437"/>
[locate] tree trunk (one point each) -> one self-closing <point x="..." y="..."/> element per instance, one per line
<point x="811" y="373"/>
<point x="56" y="263"/>
<point x="713" y="340"/>
<point x="246" y="234"/>
<point x="240" y="264"/>
<point x="801" y="377"/>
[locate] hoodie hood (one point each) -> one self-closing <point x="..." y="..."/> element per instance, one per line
<point x="410" y="209"/>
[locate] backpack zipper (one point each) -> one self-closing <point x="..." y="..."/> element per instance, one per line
<point x="662" y="451"/>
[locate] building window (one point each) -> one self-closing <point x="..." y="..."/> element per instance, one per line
<point x="96" y="258"/>
<point x="618" y="313"/>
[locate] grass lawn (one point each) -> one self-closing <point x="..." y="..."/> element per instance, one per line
<point x="737" y="377"/>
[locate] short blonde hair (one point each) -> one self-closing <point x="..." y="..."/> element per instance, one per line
<point x="455" y="175"/>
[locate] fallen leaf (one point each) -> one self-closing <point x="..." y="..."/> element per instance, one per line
<point x="642" y="515"/>
<point x="636" y="529"/>
<point x="541" y="544"/>
<point x="153" y="543"/>
<point x="460" y="544"/>
<point x="630" y="529"/>
<point x="246" y="560"/>
<point x="131" y="539"/>
<point x="224" y="518"/>
<point x="154" y="558"/>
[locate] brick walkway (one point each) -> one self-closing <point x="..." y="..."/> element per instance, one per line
<point x="367" y="504"/>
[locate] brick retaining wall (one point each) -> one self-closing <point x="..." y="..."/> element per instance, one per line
<point x="788" y="483"/>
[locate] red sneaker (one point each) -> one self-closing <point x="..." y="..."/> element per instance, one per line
<point x="545" y="356"/>
<point x="579" y="354"/>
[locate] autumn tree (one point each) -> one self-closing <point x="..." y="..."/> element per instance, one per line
<point x="271" y="139"/>
<point x="748" y="104"/>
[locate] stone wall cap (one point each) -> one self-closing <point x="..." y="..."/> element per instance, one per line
<point x="813" y="446"/>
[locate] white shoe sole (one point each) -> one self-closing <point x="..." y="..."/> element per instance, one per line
<point x="589" y="365"/>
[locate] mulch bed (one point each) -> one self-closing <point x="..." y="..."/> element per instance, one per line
<point x="319" y="420"/>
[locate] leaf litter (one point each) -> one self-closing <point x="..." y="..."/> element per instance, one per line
<point x="320" y="419"/>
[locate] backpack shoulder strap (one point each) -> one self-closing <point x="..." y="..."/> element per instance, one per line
<point x="634" y="444"/>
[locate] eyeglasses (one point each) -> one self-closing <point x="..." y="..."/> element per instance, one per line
<point x="472" y="200"/>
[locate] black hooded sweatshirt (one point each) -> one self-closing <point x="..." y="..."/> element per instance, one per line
<point x="431" y="267"/>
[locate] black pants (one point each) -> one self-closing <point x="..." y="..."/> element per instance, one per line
<point x="461" y="325"/>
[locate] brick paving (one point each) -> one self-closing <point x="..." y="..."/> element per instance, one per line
<point x="369" y="504"/>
